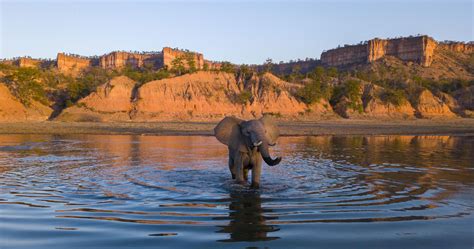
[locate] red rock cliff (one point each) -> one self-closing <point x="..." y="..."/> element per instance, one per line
<point x="118" y="59"/>
<point x="170" y="54"/>
<point x="28" y="62"/>
<point x="419" y="49"/>
<point x="70" y="64"/>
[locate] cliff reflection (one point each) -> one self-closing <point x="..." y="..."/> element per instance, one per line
<point x="247" y="221"/>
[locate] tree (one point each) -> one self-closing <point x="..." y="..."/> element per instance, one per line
<point x="227" y="67"/>
<point x="267" y="66"/>
<point x="189" y="57"/>
<point x="25" y="85"/>
<point x="313" y="91"/>
<point x="177" y="65"/>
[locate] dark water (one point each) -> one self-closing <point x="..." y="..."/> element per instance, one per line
<point x="175" y="192"/>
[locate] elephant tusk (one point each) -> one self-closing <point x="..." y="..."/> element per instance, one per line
<point x="257" y="144"/>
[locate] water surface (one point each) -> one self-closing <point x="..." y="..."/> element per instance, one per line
<point x="111" y="191"/>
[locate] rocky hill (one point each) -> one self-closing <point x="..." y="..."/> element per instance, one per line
<point x="12" y="110"/>
<point x="403" y="78"/>
<point x="199" y="96"/>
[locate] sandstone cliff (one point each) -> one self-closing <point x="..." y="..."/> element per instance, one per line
<point x="375" y="107"/>
<point x="429" y="106"/>
<point x="200" y="96"/>
<point x="28" y="62"/>
<point x="12" y="110"/>
<point x="467" y="48"/>
<point x="465" y="99"/>
<point x="418" y="49"/>
<point x="169" y="55"/>
<point x="371" y="104"/>
<point x="69" y="64"/>
<point x="110" y="102"/>
<point x="211" y="96"/>
<point x="119" y="59"/>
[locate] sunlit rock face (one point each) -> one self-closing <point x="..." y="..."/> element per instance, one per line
<point x="12" y="110"/>
<point x="110" y="102"/>
<point x="429" y="106"/>
<point x="72" y="64"/>
<point x="418" y="49"/>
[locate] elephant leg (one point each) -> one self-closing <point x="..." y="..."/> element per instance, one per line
<point x="246" y="174"/>
<point x="231" y="166"/>
<point x="256" y="172"/>
<point x="239" y="170"/>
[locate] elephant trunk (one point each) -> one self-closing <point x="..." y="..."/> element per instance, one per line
<point x="266" y="155"/>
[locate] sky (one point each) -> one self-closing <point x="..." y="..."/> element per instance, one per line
<point x="236" y="31"/>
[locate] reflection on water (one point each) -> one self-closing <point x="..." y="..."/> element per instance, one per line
<point x="147" y="191"/>
<point x="247" y="219"/>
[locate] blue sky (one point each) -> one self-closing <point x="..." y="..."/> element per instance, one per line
<point x="236" y="31"/>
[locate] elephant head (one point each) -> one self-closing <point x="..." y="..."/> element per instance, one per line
<point x="246" y="135"/>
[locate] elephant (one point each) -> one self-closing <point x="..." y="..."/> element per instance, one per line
<point x="248" y="142"/>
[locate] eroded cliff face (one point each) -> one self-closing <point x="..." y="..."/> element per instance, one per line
<point x="465" y="99"/>
<point x="371" y="105"/>
<point x="211" y="96"/>
<point x="12" y="110"/>
<point x="273" y="95"/>
<point x="466" y="48"/>
<point x="375" y="107"/>
<point x="28" y="62"/>
<point x="118" y="60"/>
<point x="69" y="64"/>
<point x="111" y="101"/>
<point x="429" y="106"/>
<point x="418" y="49"/>
<point x="169" y="55"/>
<point x="201" y="96"/>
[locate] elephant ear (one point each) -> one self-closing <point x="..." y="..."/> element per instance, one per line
<point x="226" y="129"/>
<point x="272" y="129"/>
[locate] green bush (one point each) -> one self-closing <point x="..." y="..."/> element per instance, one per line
<point x="394" y="97"/>
<point x="25" y="84"/>
<point x="313" y="92"/>
<point x="244" y="97"/>
<point x="351" y="90"/>
<point x="144" y="75"/>
<point x="227" y="67"/>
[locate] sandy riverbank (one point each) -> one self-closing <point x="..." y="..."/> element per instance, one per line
<point x="293" y="128"/>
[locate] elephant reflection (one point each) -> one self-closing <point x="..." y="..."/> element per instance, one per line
<point x="247" y="219"/>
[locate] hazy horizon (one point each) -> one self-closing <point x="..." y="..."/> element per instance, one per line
<point x="240" y="32"/>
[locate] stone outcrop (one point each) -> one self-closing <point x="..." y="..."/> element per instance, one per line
<point x="212" y="65"/>
<point x="199" y="96"/>
<point x="272" y="95"/>
<point x="371" y="105"/>
<point x="211" y="96"/>
<point x="465" y="98"/>
<point x="165" y="58"/>
<point x="375" y="107"/>
<point x="72" y="64"/>
<point x="28" y="62"/>
<point x="418" y="49"/>
<point x="202" y="95"/>
<point x="169" y="55"/>
<point x="12" y="110"/>
<point x="119" y="59"/>
<point x="429" y="106"/>
<point x="461" y="47"/>
<point x="111" y="101"/>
